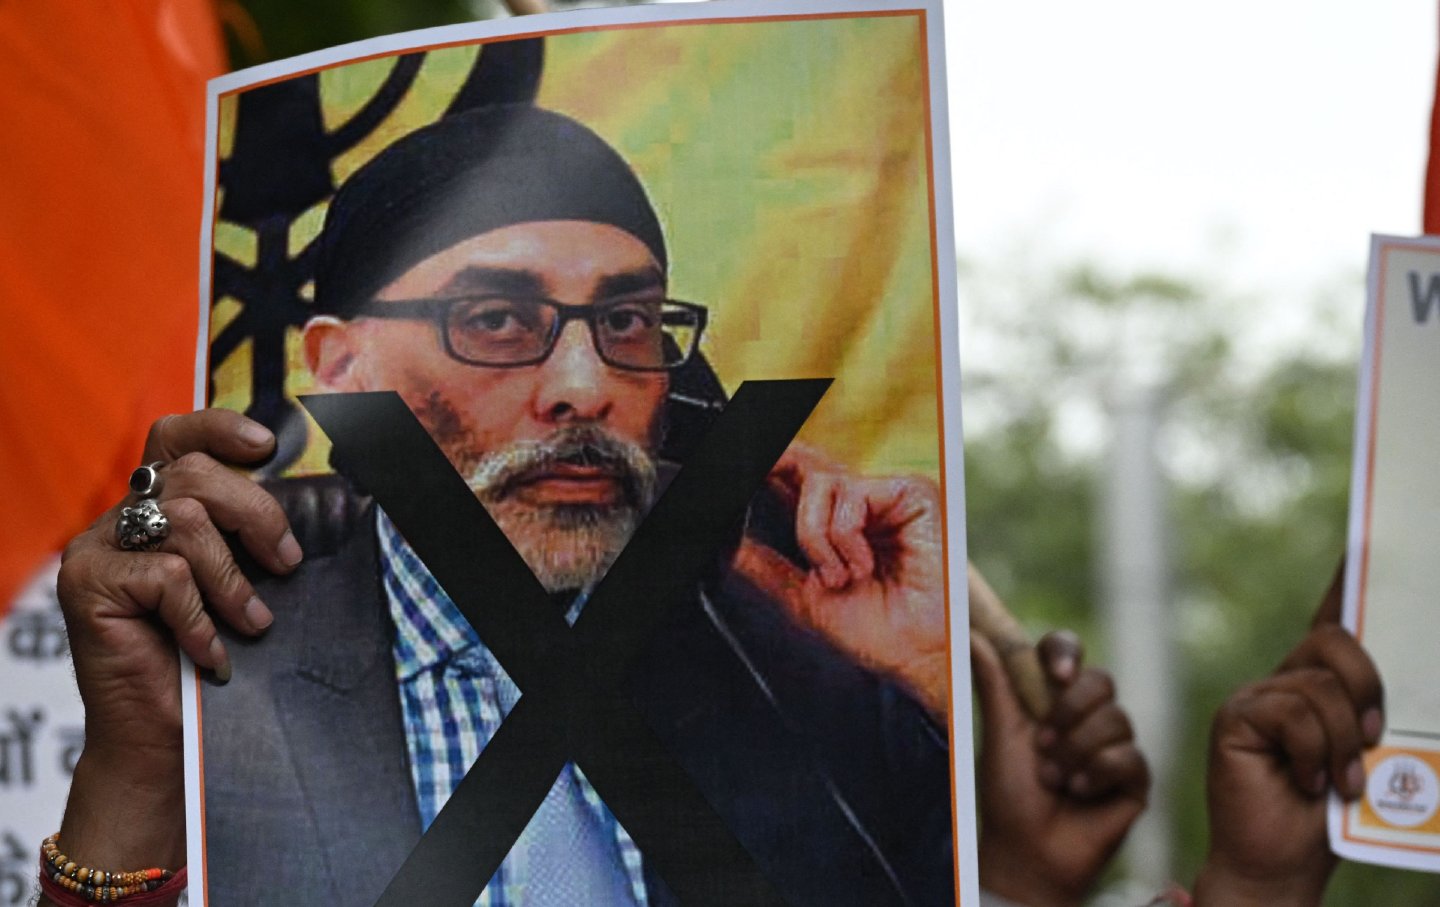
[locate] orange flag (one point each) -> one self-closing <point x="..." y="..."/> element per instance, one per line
<point x="1432" y="171"/>
<point x="104" y="107"/>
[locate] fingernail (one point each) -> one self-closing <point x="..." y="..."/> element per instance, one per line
<point x="1354" y="778"/>
<point x="255" y="434"/>
<point x="219" y="661"/>
<point x="1372" y="723"/>
<point x="1065" y="667"/>
<point x="257" y="615"/>
<point x="289" y="550"/>
<point x="1045" y="737"/>
<point x="1050" y="774"/>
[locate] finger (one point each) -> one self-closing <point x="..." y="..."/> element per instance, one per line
<point x="1105" y="726"/>
<point x="800" y="460"/>
<point x="1090" y="690"/>
<point x="1001" y="712"/>
<point x="1331" y="705"/>
<point x="225" y="435"/>
<point x="775" y="576"/>
<point x="1120" y="769"/>
<point x="990" y="618"/>
<point x="1061" y="654"/>
<point x="1332" y="648"/>
<point x="99" y="534"/>
<point x="795" y="467"/>
<point x="161" y="582"/>
<point x="812" y="530"/>
<point x="847" y="529"/>
<point x="224" y="587"/>
<point x="236" y="503"/>
<point x="1281" y="723"/>
<point x="1331" y="603"/>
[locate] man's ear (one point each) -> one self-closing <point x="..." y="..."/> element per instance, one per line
<point x="329" y="345"/>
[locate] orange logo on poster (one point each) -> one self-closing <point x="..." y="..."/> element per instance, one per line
<point x="1403" y="791"/>
<point x="1405" y="781"/>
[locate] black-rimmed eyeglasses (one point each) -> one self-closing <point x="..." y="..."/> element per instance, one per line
<point x="504" y="331"/>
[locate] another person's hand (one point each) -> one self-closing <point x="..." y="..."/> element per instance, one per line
<point x="875" y="583"/>
<point x="126" y="610"/>
<point x="1276" y="748"/>
<point x="1056" y="796"/>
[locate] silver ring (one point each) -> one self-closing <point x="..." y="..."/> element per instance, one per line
<point x="142" y="527"/>
<point x="147" y="481"/>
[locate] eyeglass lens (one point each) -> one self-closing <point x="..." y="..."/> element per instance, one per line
<point x="496" y="330"/>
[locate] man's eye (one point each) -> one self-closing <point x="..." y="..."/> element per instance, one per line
<point x="630" y="320"/>
<point x="489" y="321"/>
<point x="495" y="319"/>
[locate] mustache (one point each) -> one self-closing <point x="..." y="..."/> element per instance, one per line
<point x="498" y="473"/>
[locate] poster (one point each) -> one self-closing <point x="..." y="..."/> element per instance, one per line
<point x="1393" y="575"/>
<point x="612" y="361"/>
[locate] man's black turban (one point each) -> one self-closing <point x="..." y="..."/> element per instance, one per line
<point x="465" y="175"/>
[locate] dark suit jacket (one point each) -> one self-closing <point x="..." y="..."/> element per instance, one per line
<point x="833" y="779"/>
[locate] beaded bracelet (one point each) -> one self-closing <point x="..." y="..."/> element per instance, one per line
<point x="96" y="885"/>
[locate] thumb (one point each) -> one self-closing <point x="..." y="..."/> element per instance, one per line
<point x="775" y="576"/>
<point x="1002" y="716"/>
<point x="795" y="466"/>
<point x="1061" y="655"/>
<point x="1331" y="605"/>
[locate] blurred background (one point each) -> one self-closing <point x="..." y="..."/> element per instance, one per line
<point x="1162" y="216"/>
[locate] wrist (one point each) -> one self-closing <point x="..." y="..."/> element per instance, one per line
<point x="928" y="681"/>
<point x="1010" y="872"/>
<point x="126" y="809"/>
<point x="155" y="769"/>
<point x="1221" y="885"/>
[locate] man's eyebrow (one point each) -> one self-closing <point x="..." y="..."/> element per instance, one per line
<point x="628" y="282"/>
<point x="509" y="281"/>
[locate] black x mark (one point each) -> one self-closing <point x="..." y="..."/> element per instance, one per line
<point x="573" y="708"/>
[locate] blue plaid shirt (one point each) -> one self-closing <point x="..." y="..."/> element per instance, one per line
<point x="453" y="695"/>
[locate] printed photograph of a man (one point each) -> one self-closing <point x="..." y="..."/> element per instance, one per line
<point x="507" y="272"/>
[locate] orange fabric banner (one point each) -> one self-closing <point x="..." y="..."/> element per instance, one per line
<point x="103" y="106"/>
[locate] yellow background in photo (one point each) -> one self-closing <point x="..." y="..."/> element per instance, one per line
<point x="788" y="162"/>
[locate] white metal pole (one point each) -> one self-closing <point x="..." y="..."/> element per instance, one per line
<point x="1137" y="612"/>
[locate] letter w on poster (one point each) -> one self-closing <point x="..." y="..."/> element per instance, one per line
<point x="1392" y="574"/>
<point x="565" y="243"/>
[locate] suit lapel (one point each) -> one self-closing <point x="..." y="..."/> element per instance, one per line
<point x="339" y="708"/>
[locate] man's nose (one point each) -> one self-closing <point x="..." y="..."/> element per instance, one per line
<point x="575" y="385"/>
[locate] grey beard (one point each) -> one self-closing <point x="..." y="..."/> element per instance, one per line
<point x="567" y="546"/>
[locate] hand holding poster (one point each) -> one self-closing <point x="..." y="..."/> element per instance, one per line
<point x="1393" y="574"/>
<point x="594" y="272"/>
